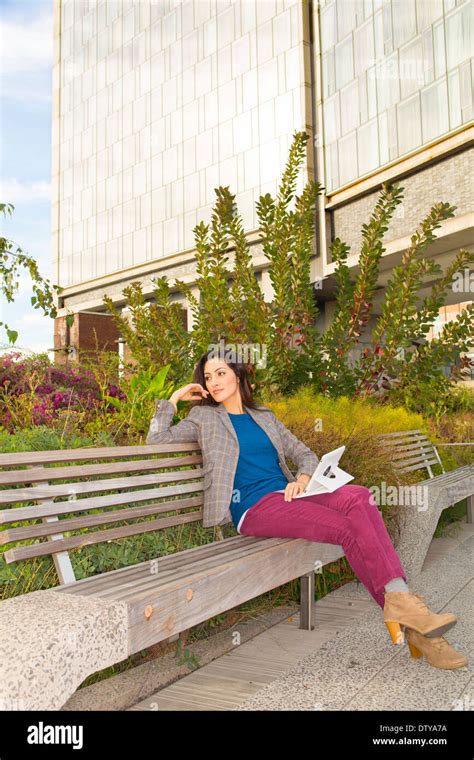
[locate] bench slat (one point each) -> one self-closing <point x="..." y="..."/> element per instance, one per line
<point x="13" y="477"/>
<point x="126" y="588"/>
<point x="408" y="447"/>
<point x="401" y="433"/>
<point x="220" y="588"/>
<point x="401" y="439"/>
<point x="77" y="523"/>
<point x="400" y="448"/>
<point x="138" y="588"/>
<point x="51" y="508"/>
<point x="419" y="466"/>
<point x="186" y="556"/>
<point x="93" y="486"/>
<point x="421" y="458"/>
<point x="398" y="454"/>
<point x="98" y="536"/>
<point x="447" y="478"/>
<point x="82" y="454"/>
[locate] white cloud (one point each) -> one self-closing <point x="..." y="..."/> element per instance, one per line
<point x="26" y="46"/>
<point x="27" y="54"/>
<point x="35" y="331"/>
<point x="14" y="191"/>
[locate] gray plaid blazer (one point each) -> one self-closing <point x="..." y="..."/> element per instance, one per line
<point x="212" y="428"/>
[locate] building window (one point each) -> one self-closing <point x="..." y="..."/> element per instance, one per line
<point x="344" y="62"/>
<point x="409" y="124"/>
<point x="434" y="110"/>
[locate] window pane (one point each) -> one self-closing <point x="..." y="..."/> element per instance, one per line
<point x="404" y="21"/>
<point x="454" y="99"/>
<point x="459" y="35"/>
<point x="378" y="25"/>
<point x="439" y="50"/>
<point x="328" y="27"/>
<point x="387" y="28"/>
<point x="427" y="12"/>
<point x="363" y="95"/>
<point x="364" y="51"/>
<point x="346" y="17"/>
<point x="344" y="61"/>
<point x="434" y="110"/>
<point x="383" y="138"/>
<point x="465" y="91"/>
<point x="332" y="173"/>
<point x="350" y="107"/>
<point x="332" y="127"/>
<point x="347" y="158"/>
<point x="388" y="83"/>
<point x="372" y="92"/>
<point x="409" y="124"/>
<point x="392" y="134"/>
<point x="428" y="64"/>
<point x="368" y="147"/>
<point x="411" y="68"/>
<point x="368" y="10"/>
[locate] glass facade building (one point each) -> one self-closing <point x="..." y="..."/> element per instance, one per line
<point x="156" y="103"/>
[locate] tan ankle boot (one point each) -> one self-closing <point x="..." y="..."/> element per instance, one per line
<point x="409" y="610"/>
<point x="438" y="651"/>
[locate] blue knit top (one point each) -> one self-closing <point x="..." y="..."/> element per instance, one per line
<point x="258" y="470"/>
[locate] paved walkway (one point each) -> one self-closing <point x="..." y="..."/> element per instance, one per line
<point x="348" y="661"/>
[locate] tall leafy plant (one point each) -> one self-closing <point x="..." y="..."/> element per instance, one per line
<point x="227" y="303"/>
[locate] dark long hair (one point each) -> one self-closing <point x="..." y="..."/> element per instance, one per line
<point x="243" y="371"/>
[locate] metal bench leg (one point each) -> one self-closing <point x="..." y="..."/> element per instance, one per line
<point x="470" y="505"/>
<point x="307" y="601"/>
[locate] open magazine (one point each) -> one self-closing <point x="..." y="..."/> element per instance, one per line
<point x="327" y="477"/>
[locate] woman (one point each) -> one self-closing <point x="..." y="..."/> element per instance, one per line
<point x="245" y="446"/>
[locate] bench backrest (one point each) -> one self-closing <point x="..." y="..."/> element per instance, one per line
<point x="147" y="480"/>
<point x="412" y="450"/>
<point x="71" y="483"/>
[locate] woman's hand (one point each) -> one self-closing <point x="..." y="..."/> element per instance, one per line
<point x="189" y="393"/>
<point x="296" y="487"/>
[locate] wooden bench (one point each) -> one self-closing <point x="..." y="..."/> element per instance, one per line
<point x="411" y="450"/>
<point x="156" y="487"/>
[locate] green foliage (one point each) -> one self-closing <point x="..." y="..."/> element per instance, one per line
<point x="12" y="257"/>
<point x="287" y="242"/>
<point x="354" y="300"/>
<point x="231" y="308"/>
<point x="342" y="414"/>
<point x="185" y="657"/>
<point x="41" y="438"/>
<point x="156" y="335"/>
<point x="135" y="409"/>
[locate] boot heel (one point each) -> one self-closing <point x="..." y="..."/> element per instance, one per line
<point x="414" y="651"/>
<point x="395" y="632"/>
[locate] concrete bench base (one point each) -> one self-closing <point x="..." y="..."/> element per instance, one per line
<point x="418" y="526"/>
<point x="50" y="642"/>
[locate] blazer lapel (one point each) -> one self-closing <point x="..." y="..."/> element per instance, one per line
<point x="222" y="411"/>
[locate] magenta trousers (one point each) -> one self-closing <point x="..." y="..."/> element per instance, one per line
<point x="348" y="517"/>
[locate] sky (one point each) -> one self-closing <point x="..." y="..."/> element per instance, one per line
<point x="26" y="45"/>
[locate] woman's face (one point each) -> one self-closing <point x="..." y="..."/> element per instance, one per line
<point x="220" y="379"/>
